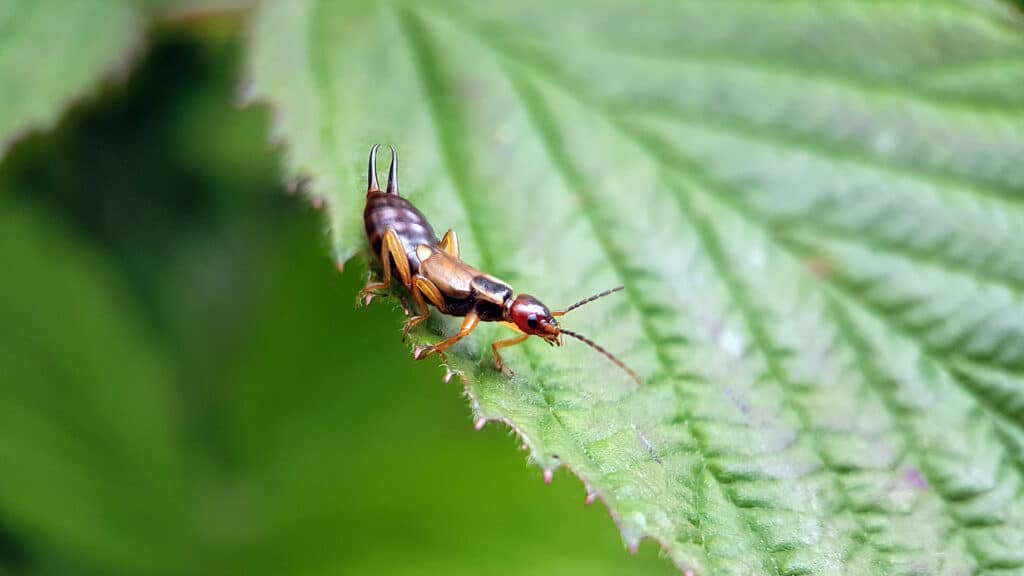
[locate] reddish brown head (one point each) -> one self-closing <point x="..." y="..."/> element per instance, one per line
<point x="532" y="317"/>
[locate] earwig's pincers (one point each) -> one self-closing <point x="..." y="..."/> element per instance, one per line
<point x="433" y="273"/>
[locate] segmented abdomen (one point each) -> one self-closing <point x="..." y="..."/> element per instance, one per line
<point x="384" y="211"/>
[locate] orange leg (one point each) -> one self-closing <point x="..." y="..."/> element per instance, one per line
<point x="505" y="344"/>
<point x="422" y="286"/>
<point x="391" y="249"/>
<point x="450" y="243"/>
<point x="468" y="325"/>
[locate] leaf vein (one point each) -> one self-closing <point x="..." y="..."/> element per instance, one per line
<point x="768" y="351"/>
<point x="833" y="151"/>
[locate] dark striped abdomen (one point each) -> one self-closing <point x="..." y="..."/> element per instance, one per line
<point x="384" y="211"/>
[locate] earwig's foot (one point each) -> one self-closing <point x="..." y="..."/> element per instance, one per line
<point x="504" y="369"/>
<point x="421" y="352"/>
<point x="410" y="324"/>
<point x="365" y="297"/>
<point x="370" y="291"/>
<point x="449" y="374"/>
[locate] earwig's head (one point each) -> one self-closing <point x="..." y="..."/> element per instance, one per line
<point x="533" y="318"/>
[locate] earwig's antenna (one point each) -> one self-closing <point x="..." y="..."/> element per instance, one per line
<point x="604" y="352"/>
<point x="393" y="173"/>
<point x="588" y="300"/>
<point x="371" y="176"/>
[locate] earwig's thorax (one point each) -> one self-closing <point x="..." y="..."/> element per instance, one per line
<point x="491" y="289"/>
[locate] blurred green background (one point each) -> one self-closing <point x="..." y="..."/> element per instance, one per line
<point x="186" y="387"/>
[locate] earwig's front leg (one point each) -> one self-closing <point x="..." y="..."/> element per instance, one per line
<point x="505" y="344"/>
<point x="468" y="325"/>
<point x="422" y="286"/>
<point x="391" y="248"/>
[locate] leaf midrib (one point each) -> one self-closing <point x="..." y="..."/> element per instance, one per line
<point x="787" y="245"/>
<point x="573" y="179"/>
<point x="834" y="297"/>
<point x="768" y="351"/>
<point x="864" y="363"/>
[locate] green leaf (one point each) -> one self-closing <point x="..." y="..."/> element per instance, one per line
<point x="90" y="463"/>
<point x="817" y="210"/>
<point x="54" y="52"/>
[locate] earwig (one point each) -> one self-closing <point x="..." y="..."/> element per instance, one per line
<point x="433" y="273"/>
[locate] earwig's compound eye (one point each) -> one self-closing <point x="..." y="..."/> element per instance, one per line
<point x="531" y="321"/>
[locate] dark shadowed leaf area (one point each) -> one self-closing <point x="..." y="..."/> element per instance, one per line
<point x="52" y="53"/>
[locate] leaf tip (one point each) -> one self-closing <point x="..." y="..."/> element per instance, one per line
<point x="449" y="374"/>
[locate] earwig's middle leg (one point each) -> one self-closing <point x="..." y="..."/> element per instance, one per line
<point x="391" y="249"/>
<point x="422" y="286"/>
<point x="468" y="325"/>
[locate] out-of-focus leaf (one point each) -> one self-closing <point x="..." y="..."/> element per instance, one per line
<point x="54" y="52"/>
<point x="89" y="463"/>
<point x="817" y="209"/>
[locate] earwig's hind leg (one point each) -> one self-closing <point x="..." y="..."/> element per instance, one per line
<point x="431" y="292"/>
<point x="450" y="243"/>
<point x="468" y="325"/>
<point x="505" y="344"/>
<point x="422" y="286"/>
<point x="391" y="249"/>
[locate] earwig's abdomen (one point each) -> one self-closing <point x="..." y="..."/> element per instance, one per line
<point x="384" y="211"/>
